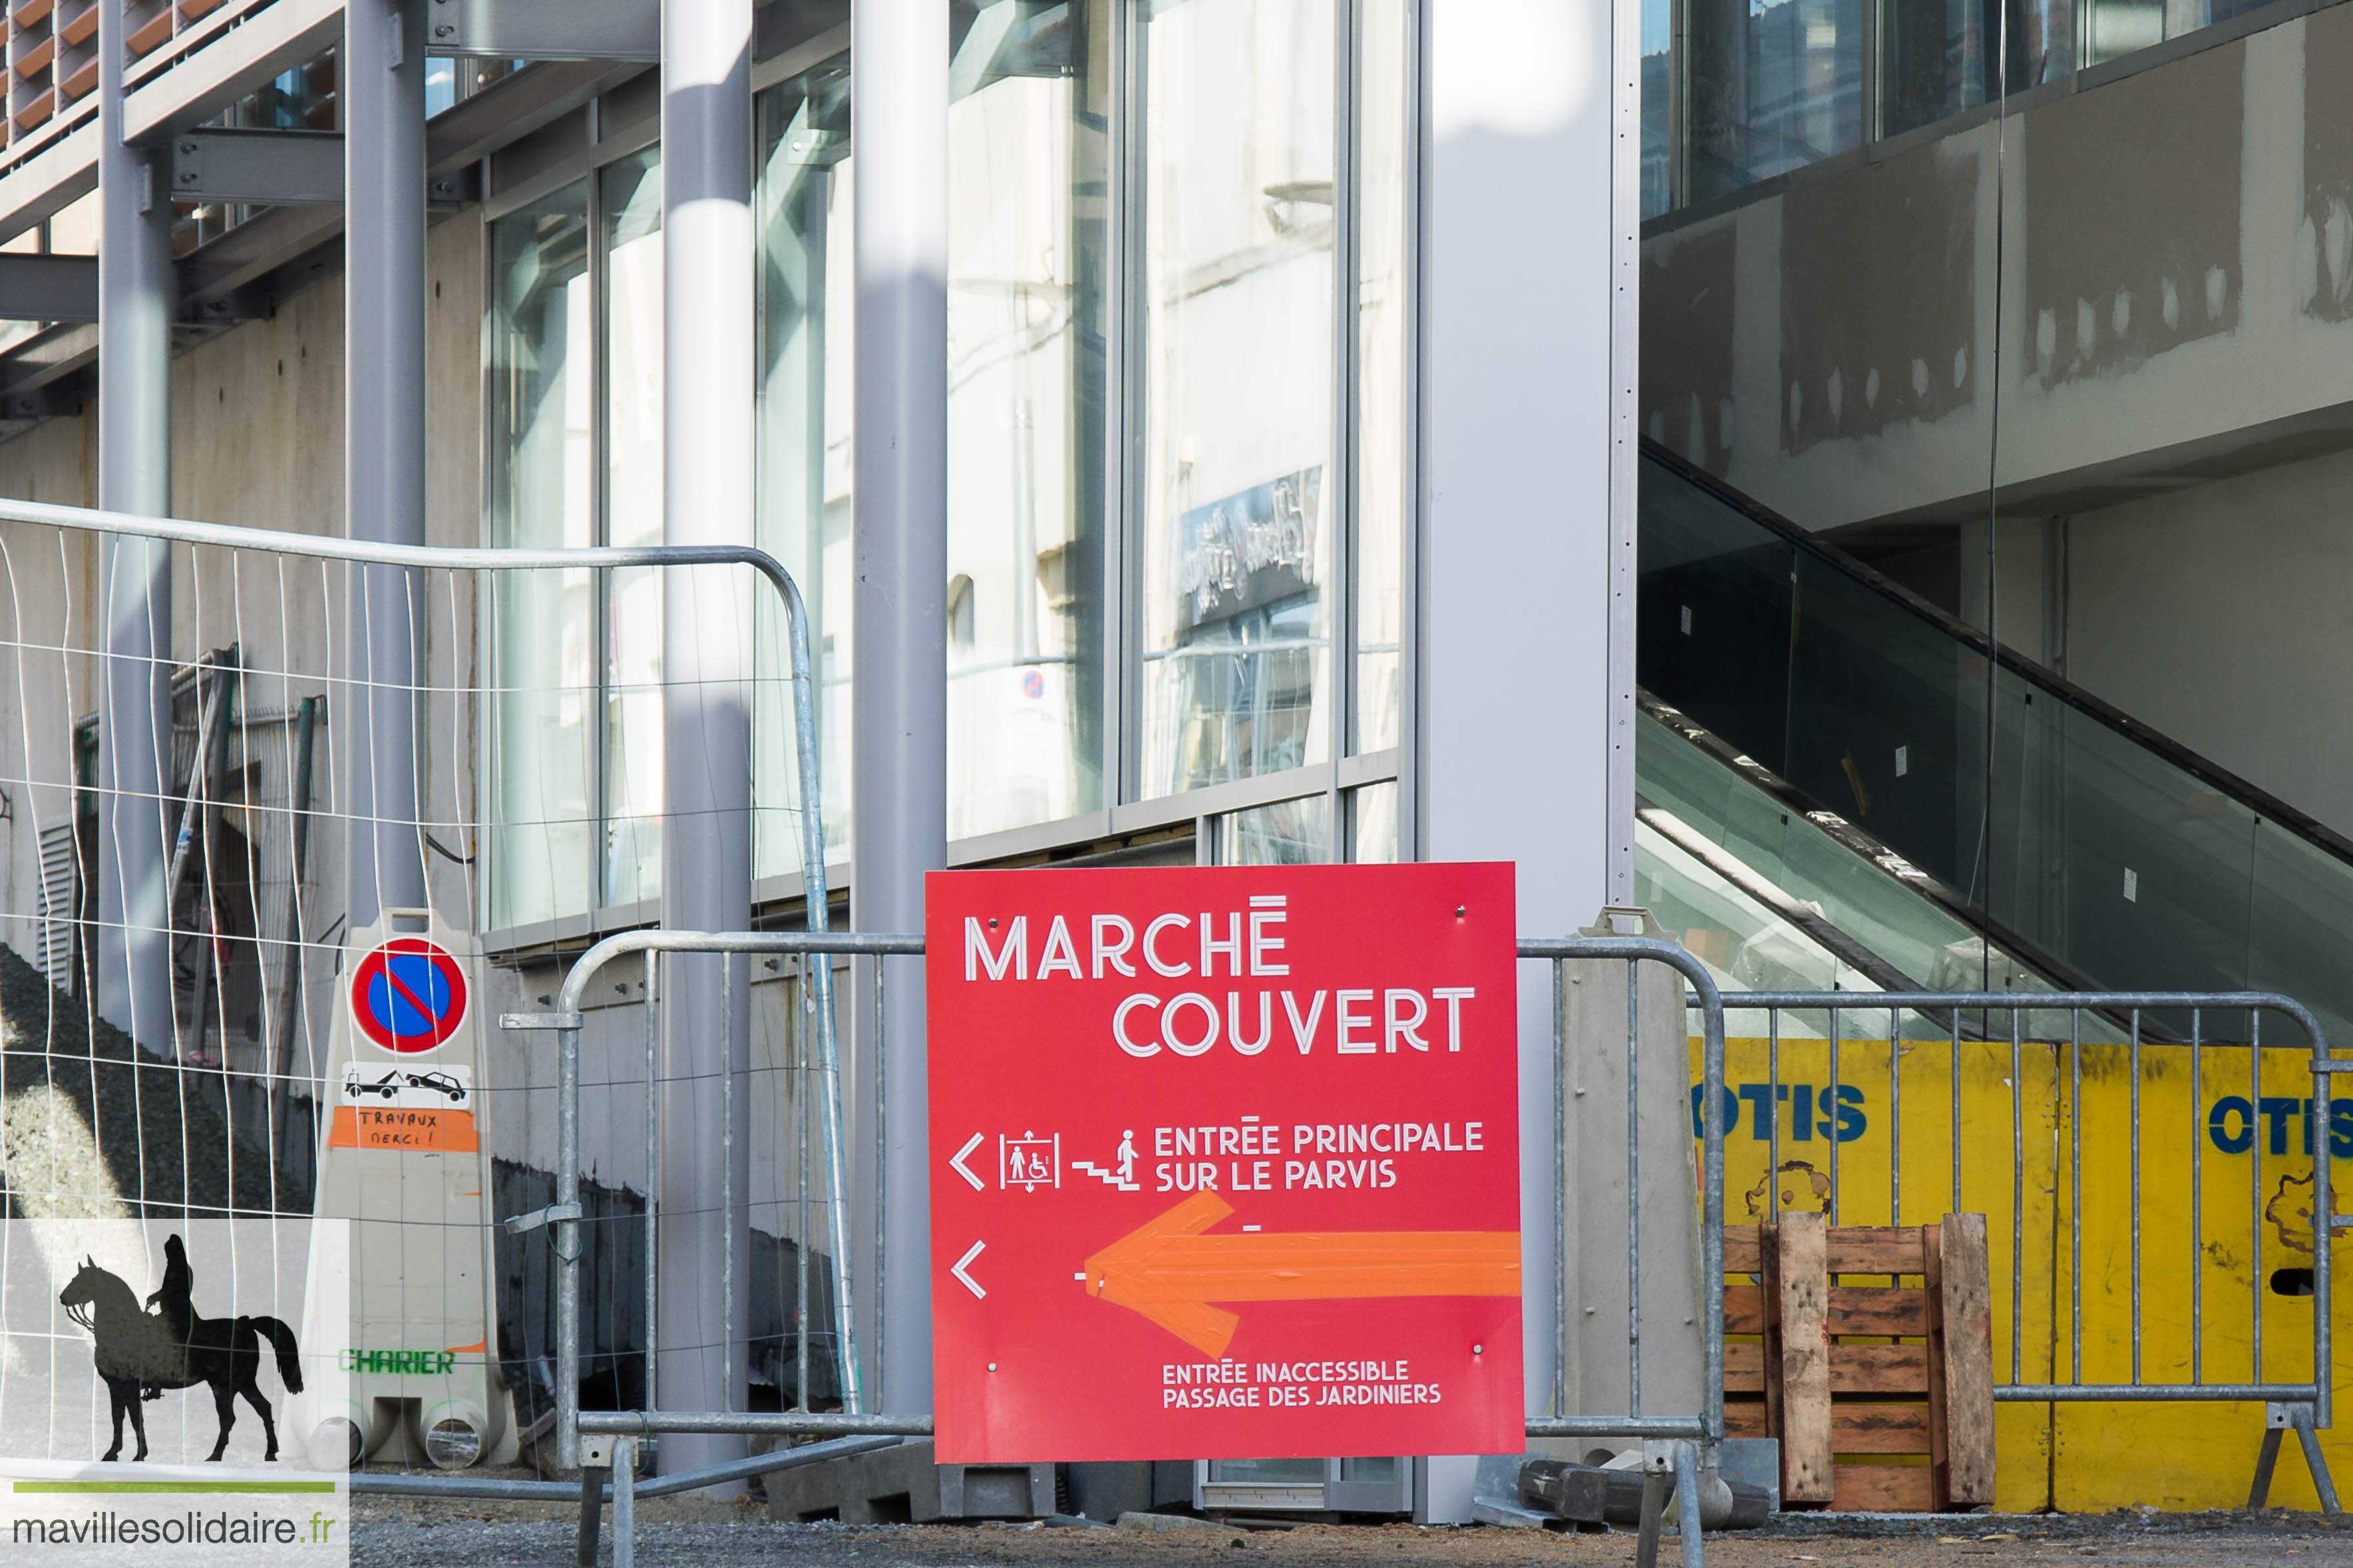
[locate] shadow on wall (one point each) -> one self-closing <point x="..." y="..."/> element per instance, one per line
<point x="613" y="1298"/>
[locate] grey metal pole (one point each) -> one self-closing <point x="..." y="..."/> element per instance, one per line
<point x="899" y="671"/>
<point x="1686" y="1504"/>
<point x="625" y="1504"/>
<point x="383" y="441"/>
<point x="136" y="300"/>
<point x="707" y="331"/>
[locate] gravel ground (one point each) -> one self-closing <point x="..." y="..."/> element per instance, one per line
<point x="401" y="1533"/>
<point x="74" y="1120"/>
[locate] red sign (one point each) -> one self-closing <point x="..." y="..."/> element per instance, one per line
<point x="408" y="995"/>
<point x="1225" y="1163"/>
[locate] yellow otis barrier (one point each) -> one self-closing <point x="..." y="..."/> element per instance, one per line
<point x="2038" y="1144"/>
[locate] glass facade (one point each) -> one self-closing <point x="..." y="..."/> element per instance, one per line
<point x="1373" y="820"/>
<point x="803" y="401"/>
<point x="542" y="495"/>
<point x="576" y="366"/>
<point x="1736" y="91"/>
<point x="1029" y="166"/>
<point x="2094" y="847"/>
<point x="1288" y="833"/>
<point x="1180" y="419"/>
<point x="1383" y="434"/>
<point x="1660" y="106"/>
<point x="631" y="217"/>
<point x="2114" y="27"/>
<point x="1771" y="88"/>
<point x="1236" y="282"/>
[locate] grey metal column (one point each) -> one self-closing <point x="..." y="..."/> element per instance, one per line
<point x="898" y="111"/>
<point x="383" y="441"/>
<point x="707" y="381"/>
<point x="136" y="301"/>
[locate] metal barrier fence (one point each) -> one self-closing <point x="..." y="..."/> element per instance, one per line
<point x="2041" y="1074"/>
<point x="263" y="660"/>
<point x="604" y="1443"/>
<point x="251" y="726"/>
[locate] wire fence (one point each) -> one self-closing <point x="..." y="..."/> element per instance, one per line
<point x="606" y="1444"/>
<point x="2113" y="1139"/>
<point x="2157" y="1207"/>
<point x="176" y="951"/>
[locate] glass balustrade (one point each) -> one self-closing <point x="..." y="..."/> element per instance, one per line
<point x="2102" y="851"/>
<point x="1707" y="837"/>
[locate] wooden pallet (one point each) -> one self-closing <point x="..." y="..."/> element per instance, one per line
<point x="1847" y="1374"/>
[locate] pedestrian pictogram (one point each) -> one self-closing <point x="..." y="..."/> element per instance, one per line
<point x="408" y="995"/>
<point x="1121" y="1173"/>
<point x="1030" y="1162"/>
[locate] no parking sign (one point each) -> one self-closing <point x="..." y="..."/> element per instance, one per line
<point x="408" y="995"/>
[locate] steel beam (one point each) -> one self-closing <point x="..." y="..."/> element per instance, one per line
<point x="708" y="332"/>
<point x="51" y="179"/>
<point x="547" y="29"/>
<point x="384" y="442"/>
<point x="514" y="106"/>
<point x="255" y="249"/>
<point x="48" y="357"/>
<point x="39" y="404"/>
<point x="135" y="289"/>
<point x="898" y="111"/>
<point x="273" y="168"/>
<point x="47" y="288"/>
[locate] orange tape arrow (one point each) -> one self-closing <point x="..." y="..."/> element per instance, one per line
<point x="1168" y="1271"/>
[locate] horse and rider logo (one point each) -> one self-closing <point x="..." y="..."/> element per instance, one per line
<point x="140" y="1354"/>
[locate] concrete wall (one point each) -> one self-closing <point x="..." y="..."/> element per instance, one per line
<point x="2176" y="283"/>
<point x="2220" y="615"/>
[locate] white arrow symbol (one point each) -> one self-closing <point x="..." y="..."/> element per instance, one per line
<point x="968" y="1282"/>
<point x="956" y="1162"/>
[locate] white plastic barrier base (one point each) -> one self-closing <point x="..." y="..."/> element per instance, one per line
<point x="405" y="1156"/>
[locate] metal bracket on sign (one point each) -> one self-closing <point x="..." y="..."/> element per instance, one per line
<point x="540" y="1021"/>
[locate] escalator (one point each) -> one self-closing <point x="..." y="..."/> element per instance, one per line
<point x="1816" y="810"/>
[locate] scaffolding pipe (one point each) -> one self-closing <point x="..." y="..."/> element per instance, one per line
<point x="137" y="294"/>
<point x="382" y="73"/>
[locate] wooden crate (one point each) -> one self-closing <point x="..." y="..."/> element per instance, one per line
<point x="1848" y="1373"/>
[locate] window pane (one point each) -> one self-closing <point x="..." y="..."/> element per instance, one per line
<point x="1774" y="85"/>
<point x="2120" y="26"/>
<point x="1288" y="833"/>
<point x="1236" y="382"/>
<point x="1269" y="1472"/>
<point x="1942" y="55"/>
<point x="1026" y="171"/>
<point x="1375" y="814"/>
<point x="803" y="396"/>
<point x="1658" y="103"/>
<point x="1385" y="142"/>
<point x="542" y="494"/>
<point x="633" y="515"/>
